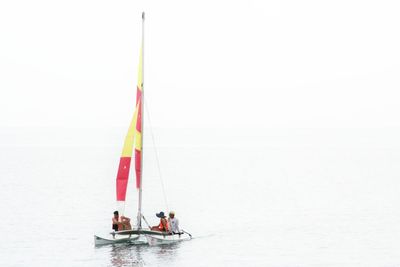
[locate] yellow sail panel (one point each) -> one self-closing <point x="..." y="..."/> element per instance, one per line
<point x="138" y="141"/>
<point x="140" y="71"/>
<point x="129" y="139"/>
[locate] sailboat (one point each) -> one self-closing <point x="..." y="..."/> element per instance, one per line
<point x="134" y="143"/>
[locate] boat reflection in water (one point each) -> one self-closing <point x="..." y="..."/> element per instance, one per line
<point x="125" y="256"/>
<point x="134" y="255"/>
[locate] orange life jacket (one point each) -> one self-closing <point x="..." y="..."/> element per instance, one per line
<point x="161" y="226"/>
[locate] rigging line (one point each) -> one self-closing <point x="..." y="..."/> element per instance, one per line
<point x="156" y="152"/>
<point x="148" y="225"/>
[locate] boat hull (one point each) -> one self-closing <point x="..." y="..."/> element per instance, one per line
<point x="154" y="240"/>
<point x="116" y="239"/>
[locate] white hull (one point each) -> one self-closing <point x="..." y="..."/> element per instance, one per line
<point x="117" y="239"/>
<point x="154" y="240"/>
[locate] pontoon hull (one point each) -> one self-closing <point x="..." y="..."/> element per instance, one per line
<point x="154" y="240"/>
<point x="133" y="239"/>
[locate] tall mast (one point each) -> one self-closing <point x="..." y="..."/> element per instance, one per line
<point x="139" y="215"/>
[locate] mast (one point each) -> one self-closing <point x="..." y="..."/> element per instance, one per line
<point x="139" y="215"/>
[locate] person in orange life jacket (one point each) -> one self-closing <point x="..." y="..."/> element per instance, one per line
<point x="163" y="226"/>
<point x="120" y="223"/>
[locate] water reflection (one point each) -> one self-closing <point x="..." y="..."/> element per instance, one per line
<point x="142" y="255"/>
<point x="123" y="255"/>
<point x="167" y="251"/>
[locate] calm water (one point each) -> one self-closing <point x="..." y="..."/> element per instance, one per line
<point x="291" y="201"/>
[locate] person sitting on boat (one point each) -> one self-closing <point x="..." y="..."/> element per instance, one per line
<point x="173" y="223"/>
<point x="163" y="226"/>
<point x="120" y="223"/>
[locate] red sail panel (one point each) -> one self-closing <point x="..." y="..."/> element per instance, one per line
<point x="122" y="177"/>
<point x="138" y="94"/>
<point x="138" y="166"/>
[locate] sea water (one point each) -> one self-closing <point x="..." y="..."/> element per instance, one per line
<point x="261" y="198"/>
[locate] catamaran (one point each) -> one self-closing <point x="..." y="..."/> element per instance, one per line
<point x="134" y="141"/>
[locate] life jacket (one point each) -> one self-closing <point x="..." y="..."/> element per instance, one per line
<point x="161" y="226"/>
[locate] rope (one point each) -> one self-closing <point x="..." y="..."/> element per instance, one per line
<point x="156" y="152"/>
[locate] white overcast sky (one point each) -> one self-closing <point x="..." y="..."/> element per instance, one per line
<point x="207" y="63"/>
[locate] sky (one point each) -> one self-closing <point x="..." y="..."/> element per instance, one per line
<point x="208" y="64"/>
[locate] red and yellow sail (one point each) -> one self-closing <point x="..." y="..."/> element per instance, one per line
<point x="133" y="139"/>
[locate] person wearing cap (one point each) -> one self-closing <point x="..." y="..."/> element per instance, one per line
<point x="120" y="223"/>
<point x="173" y="222"/>
<point x="163" y="226"/>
